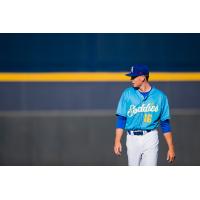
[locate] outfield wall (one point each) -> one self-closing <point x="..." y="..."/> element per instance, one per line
<point x="84" y="138"/>
<point x="74" y="123"/>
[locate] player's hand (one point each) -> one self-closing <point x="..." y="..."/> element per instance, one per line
<point x="118" y="148"/>
<point x="171" y="155"/>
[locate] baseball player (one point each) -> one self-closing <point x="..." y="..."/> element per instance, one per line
<point x="140" y="110"/>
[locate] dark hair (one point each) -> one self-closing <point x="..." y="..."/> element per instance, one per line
<point x="147" y="77"/>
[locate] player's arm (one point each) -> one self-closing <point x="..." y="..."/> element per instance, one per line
<point x="118" y="145"/>
<point x="121" y="121"/>
<point x="166" y="129"/>
<point x="171" y="152"/>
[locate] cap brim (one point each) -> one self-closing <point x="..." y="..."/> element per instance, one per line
<point x="131" y="74"/>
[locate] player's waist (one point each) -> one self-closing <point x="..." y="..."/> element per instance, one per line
<point x="138" y="132"/>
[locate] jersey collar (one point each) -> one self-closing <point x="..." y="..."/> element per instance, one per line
<point x="141" y="96"/>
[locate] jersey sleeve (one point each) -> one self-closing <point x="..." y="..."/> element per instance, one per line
<point x="165" y="113"/>
<point x="121" y="122"/>
<point x="165" y="126"/>
<point x="122" y="105"/>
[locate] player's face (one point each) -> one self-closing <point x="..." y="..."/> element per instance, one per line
<point x="137" y="81"/>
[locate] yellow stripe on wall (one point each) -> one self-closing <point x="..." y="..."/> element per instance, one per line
<point x="94" y="77"/>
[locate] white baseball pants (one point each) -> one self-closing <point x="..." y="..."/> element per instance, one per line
<point x="142" y="150"/>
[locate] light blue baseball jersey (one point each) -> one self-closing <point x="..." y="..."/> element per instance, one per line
<point x="143" y="113"/>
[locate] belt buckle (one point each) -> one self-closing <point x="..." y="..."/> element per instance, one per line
<point x="140" y="132"/>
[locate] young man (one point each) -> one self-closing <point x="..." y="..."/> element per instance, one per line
<point x="140" y="110"/>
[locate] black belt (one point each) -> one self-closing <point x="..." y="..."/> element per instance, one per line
<point x="138" y="132"/>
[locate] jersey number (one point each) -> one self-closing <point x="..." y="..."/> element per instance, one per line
<point x="148" y="118"/>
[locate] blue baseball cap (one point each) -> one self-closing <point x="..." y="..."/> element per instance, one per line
<point x="138" y="70"/>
